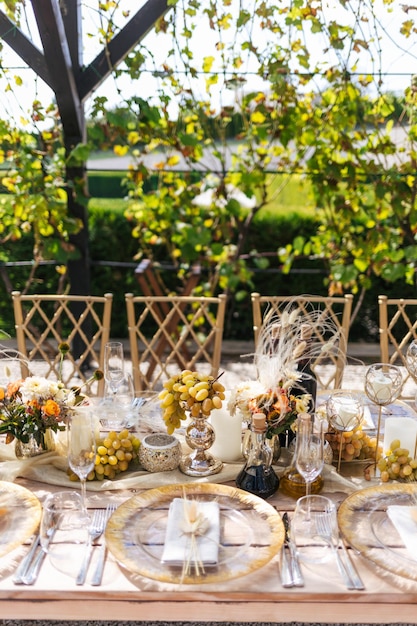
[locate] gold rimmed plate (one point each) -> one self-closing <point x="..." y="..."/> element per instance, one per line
<point x="365" y="524"/>
<point x="20" y="514"/>
<point x="251" y="533"/>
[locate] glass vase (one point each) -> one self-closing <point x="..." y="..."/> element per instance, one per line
<point x="33" y="448"/>
<point x="200" y="436"/>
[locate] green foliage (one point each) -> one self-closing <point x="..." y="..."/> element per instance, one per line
<point x="308" y="114"/>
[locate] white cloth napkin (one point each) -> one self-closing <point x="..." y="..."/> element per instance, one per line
<point x="404" y="519"/>
<point x="177" y="547"/>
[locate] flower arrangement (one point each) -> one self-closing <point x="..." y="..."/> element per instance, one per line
<point x="279" y="391"/>
<point x="279" y="405"/>
<point x="30" y="407"/>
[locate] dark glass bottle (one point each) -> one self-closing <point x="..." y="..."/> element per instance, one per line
<point x="258" y="476"/>
<point x="307" y="382"/>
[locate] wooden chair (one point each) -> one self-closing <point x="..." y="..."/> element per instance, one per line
<point x="42" y="322"/>
<point x="335" y="309"/>
<point x="397" y="329"/>
<point x="170" y="333"/>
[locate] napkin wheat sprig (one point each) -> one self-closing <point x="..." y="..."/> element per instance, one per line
<point x="194" y="524"/>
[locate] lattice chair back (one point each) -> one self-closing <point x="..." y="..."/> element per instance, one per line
<point x="335" y="311"/>
<point x="42" y="322"/>
<point x="168" y="334"/>
<point x="397" y="329"/>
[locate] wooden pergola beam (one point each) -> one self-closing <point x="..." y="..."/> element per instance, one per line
<point x="120" y="46"/>
<point x="27" y="51"/>
<point x="58" y="58"/>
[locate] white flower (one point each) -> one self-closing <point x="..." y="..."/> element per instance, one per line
<point x="35" y="387"/>
<point x="242" y="394"/>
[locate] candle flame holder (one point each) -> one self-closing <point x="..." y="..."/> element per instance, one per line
<point x="344" y="413"/>
<point x="383" y="384"/>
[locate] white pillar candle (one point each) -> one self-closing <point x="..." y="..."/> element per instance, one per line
<point x="227" y="445"/>
<point x="382" y="387"/>
<point x="347" y="414"/>
<point x="402" y="428"/>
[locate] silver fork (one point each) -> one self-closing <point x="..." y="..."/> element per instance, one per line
<point x="96" y="528"/>
<point x="98" y="572"/>
<point x="325" y="531"/>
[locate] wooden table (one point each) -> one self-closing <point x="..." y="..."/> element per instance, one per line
<point x="258" y="597"/>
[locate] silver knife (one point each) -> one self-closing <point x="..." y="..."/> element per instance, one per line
<point x="26" y="562"/>
<point x="286" y="569"/>
<point x="297" y="577"/>
<point x="32" y="572"/>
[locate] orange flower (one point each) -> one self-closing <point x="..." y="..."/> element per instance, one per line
<point x="282" y="405"/>
<point x="2" y="394"/>
<point x="51" y="408"/>
<point x="13" y="387"/>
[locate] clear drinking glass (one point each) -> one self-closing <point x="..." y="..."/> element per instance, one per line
<point x="64" y="531"/>
<point x="314" y="528"/>
<point x="81" y="446"/>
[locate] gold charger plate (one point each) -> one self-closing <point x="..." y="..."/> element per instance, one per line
<point x="364" y="522"/>
<point x="20" y="514"/>
<point x="251" y="533"/>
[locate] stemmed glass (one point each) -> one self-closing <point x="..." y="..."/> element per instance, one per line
<point x="383" y="383"/>
<point x="309" y="446"/>
<point x="113" y="365"/>
<point x="344" y="413"/>
<point x="411" y="362"/>
<point x="81" y="447"/>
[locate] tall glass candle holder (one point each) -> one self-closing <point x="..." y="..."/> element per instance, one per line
<point x="383" y="383"/>
<point x="344" y="413"/>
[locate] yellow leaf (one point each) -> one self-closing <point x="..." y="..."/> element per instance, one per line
<point x="120" y="150"/>
<point x="257" y="117"/>
<point x="173" y="160"/>
<point x="18" y="80"/>
<point x="133" y="137"/>
<point x="207" y="63"/>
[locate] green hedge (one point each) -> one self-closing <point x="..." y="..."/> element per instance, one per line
<point x="113" y="250"/>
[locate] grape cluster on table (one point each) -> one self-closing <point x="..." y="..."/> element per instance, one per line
<point x="397" y="464"/>
<point x="189" y="391"/>
<point x="115" y="454"/>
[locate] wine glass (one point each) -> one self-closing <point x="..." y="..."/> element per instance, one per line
<point x="344" y="413"/>
<point x="309" y="447"/>
<point x="117" y="409"/>
<point x="81" y="446"/>
<point x="383" y="383"/>
<point x="411" y="362"/>
<point x="64" y="531"/>
<point x="411" y="359"/>
<point x="113" y="364"/>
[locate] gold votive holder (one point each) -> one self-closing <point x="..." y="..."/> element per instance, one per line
<point x="159" y="452"/>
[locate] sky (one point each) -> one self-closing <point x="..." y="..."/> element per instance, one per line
<point x="397" y="60"/>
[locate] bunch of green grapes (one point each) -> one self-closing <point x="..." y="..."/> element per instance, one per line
<point x="397" y="464"/>
<point x="115" y="453"/>
<point x="189" y="391"/>
<point x="356" y="445"/>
